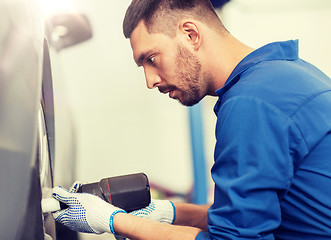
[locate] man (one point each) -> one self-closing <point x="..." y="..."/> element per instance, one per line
<point x="272" y="169"/>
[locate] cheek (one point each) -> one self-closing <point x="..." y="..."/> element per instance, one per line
<point x="168" y="63"/>
<point x="167" y="72"/>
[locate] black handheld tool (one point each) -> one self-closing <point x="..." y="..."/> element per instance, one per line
<point x="128" y="192"/>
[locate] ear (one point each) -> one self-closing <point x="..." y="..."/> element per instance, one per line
<point x="191" y="33"/>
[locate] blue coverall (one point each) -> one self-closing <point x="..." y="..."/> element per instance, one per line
<point x="272" y="169"/>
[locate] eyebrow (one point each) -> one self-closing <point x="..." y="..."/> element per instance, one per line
<point x="141" y="59"/>
<point x="143" y="56"/>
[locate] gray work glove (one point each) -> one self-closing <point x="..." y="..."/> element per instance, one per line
<point x="86" y="212"/>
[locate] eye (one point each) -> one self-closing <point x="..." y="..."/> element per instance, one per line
<point x="151" y="60"/>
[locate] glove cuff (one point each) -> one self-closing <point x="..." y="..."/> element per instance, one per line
<point x="111" y="220"/>
<point x="173" y="213"/>
<point x="167" y="210"/>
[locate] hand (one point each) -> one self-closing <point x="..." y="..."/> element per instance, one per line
<point x="85" y="212"/>
<point x="158" y="210"/>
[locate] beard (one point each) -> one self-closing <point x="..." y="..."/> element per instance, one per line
<point x="190" y="83"/>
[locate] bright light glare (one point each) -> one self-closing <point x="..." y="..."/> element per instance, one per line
<point x="51" y="7"/>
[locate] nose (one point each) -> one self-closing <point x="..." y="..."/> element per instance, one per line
<point x="152" y="78"/>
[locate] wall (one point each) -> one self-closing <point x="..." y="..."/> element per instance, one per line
<point x="122" y="126"/>
<point x="257" y="22"/>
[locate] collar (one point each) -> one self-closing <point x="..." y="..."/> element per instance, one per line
<point x="287" y="50"/>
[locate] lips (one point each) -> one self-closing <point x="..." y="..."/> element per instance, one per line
<point x="172" y="94"/>
<point x="168" y="90"/>
<point x="164" y="90"/>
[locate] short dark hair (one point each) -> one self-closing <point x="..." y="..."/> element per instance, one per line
<point x="168" y="13"/>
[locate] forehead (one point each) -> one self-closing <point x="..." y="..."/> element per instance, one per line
<point x="139" y="33"/>
<point x="143" y="42"/>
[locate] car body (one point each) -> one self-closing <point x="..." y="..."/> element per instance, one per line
<point x="29" y="132"/>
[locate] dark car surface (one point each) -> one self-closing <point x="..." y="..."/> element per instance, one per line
<point x="27" y="122"/>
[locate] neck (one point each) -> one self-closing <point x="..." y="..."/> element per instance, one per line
<point x="224" y="53"/>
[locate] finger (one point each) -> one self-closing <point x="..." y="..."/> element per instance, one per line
<point x="58" y="215"/>
<point x="145" y="211"/>
<point x="74" y="188"/>
<point x="61" y="194"/>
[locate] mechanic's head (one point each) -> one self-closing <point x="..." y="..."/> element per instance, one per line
<point x="162" y="16"/>
<point x="167" y="40"/>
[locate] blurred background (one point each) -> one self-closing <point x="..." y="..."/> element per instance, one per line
<point x="121" y="127"/>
